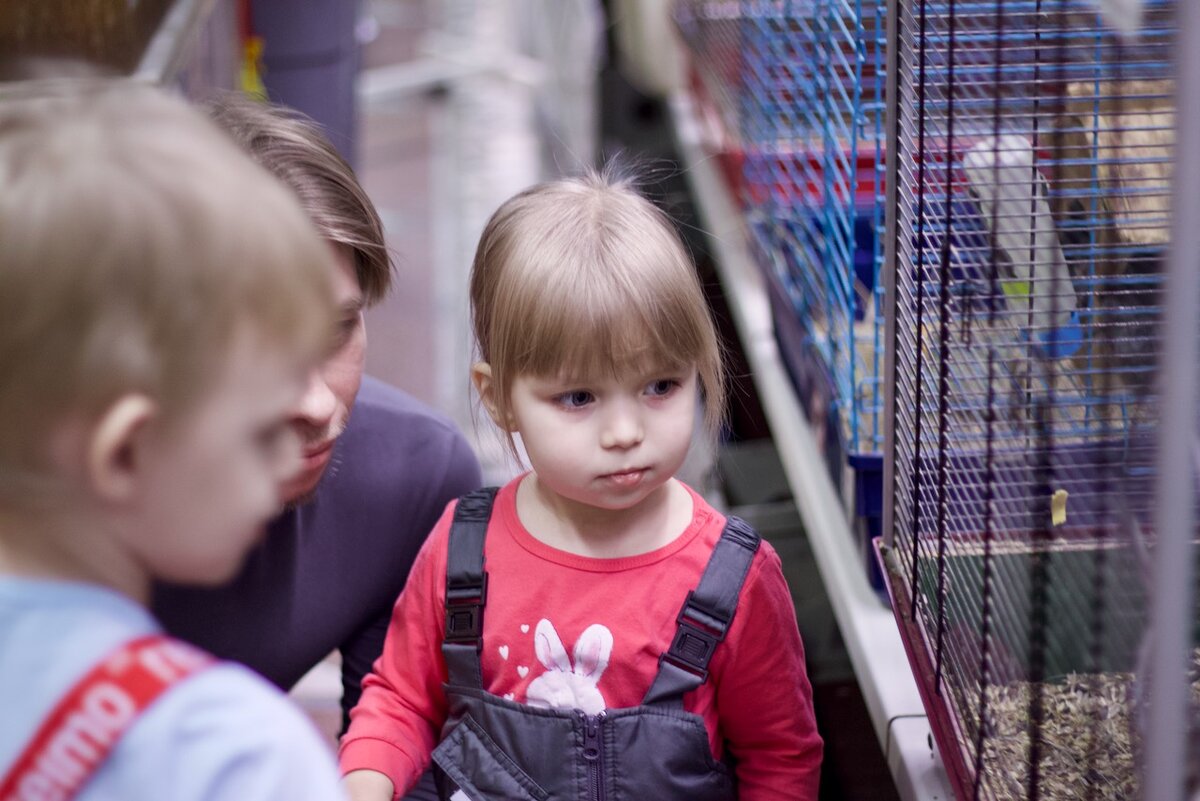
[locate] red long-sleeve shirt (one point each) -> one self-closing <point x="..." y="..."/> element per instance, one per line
<point x="757" y="702"/>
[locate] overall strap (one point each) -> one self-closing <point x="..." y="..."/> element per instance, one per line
<point x="466" y="588"/>
<point x="85" y="726"/>
<point x="705" y="617"/>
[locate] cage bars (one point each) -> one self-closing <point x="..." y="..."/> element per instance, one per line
<point x="1028" y="152"/>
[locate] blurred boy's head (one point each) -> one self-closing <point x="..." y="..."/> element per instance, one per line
<point x="161" y="297"/>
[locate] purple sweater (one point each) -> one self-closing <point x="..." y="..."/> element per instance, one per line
<point x="329" y="572"/>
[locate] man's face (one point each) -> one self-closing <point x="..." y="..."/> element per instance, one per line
<point x="321" y="415"/>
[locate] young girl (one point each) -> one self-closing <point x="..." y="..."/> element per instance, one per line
<point x="595" y="630"/>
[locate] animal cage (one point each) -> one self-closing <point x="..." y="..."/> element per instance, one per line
<point x="799" y="88"/>
<point x="1033" y="150"/>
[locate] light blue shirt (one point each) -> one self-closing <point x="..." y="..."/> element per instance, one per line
<point x="222" y="734"/>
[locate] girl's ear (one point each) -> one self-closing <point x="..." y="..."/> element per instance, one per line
<point x="481" y="376"/>
<point x="115" y="447"/>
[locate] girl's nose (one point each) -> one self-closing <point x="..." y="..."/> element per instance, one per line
<point x="623" y="429"/>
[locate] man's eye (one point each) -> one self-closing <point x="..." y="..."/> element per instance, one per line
<point x="574" y="400"/>
<point x="664" y="386"/>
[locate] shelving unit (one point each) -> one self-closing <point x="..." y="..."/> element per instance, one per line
<point x="867" y="626"/>
<point x="168" y="48"/>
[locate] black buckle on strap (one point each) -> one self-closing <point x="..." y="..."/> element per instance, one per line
<point x="475" y="507"/>
<point x="696" y="638"/>
<point x="464" y="613"/>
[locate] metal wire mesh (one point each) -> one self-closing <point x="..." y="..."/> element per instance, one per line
<point x="1033" y="157"/>
<point x="798" y="86"/>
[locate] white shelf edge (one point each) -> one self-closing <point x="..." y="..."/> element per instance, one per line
<point x="868" y="627"/>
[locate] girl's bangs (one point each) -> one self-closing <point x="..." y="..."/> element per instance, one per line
<point x="609" y="340"/>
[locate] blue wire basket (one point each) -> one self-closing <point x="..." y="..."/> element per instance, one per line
<point x="800" y="87"/>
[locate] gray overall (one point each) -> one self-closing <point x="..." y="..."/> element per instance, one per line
<point x="499" y="750"/>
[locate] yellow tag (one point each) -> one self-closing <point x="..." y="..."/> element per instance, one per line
<point x="250" y="78"/>
<point x="1016" y="289"/>
<point x="1058" y="507"/>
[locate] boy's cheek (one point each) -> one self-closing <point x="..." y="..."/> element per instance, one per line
<point x="287" y="460"/>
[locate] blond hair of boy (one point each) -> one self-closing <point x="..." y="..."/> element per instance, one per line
<point x="161" y="300"/>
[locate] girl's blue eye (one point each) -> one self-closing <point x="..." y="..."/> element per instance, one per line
<point x="662" y="387"/>
<point x="574" y="400"/>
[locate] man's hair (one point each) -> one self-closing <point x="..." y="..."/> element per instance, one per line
<point x="138" y="244"/>
<point x="292" y="147"/>
<point x="586" y="276"/>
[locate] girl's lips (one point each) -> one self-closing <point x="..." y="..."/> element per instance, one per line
<point x="626" y="478"/>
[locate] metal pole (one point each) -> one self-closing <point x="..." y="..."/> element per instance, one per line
<point x="169" y="48"/>
<point x="891" y="246"/>
<point x="1171" y="595"/>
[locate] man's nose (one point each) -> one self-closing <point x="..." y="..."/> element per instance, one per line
<point x="318" y="404"/>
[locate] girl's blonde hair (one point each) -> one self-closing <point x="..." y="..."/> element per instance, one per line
<point x="583" y="276"/>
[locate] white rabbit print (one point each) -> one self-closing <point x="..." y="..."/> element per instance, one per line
<point x="563" y="686"/>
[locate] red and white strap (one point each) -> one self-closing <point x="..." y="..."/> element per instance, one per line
<point x="78" y="735"/>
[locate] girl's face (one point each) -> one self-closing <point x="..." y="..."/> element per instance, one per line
<point x="606" y="443"/>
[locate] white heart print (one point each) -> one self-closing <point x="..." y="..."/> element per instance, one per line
<point x="504" y="652"/>
<point x="524" y="628"/>
<point x="522" y="671"/>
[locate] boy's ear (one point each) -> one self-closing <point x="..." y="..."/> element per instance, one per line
<point x="481" y="375"/>
<point x="115" y="447"/>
